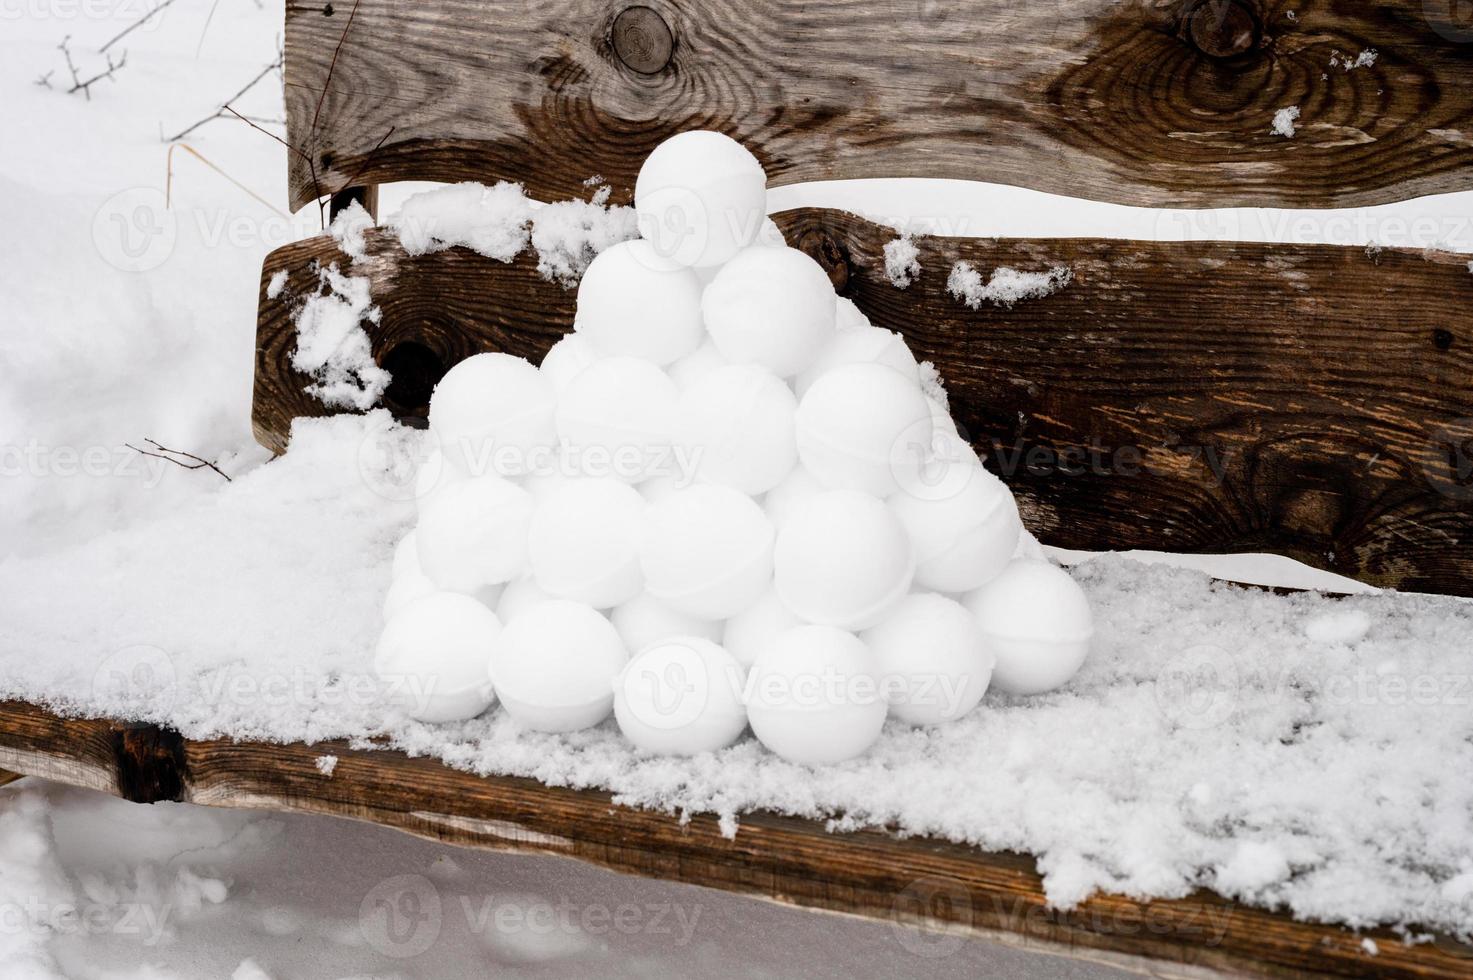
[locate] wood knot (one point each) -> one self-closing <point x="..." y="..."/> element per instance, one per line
<point x="1222" y="28"/>
<point x="150" y="763"/>
<point x="1442" y="339"/>
<point x="828" y="252"/>
<point x="642" y="40"/>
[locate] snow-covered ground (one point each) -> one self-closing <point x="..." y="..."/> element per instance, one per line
<point x="125" y="320"/>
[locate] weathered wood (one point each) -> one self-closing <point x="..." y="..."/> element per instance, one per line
<point x="1149" y="102"/>
<point x="946" y="886"/>
<point x="348" y="196"/>
<point x="1312" y="401"/>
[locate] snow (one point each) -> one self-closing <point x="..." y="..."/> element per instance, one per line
<point x="1006" y="287"/>
<point x="1340" y="627"/>
<point x="1365" y="59"/>
<point x="332" y="345"/>
<point x="1284" y="122"/>
<point x="902" y="262"/>
<point x="326" y="764"/>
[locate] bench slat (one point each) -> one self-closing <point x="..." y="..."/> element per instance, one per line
<point x="1132" y="101"/>
<point x="1207" y="397"/>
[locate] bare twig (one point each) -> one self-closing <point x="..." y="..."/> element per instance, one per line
<point x="45" y="79"/>
<point x="331" y="67"/>
<point x="135" y="25"/>
<point x="85" y="85"/>
<point x="225" y="108"/>
<point x="198" y="462"/>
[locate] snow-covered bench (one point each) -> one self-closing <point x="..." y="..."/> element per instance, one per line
<point x="1306" y="400"/>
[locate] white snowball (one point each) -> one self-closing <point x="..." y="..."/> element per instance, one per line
<point x="681" y="696"/>
<point x="433" y="474"/>
<point x="583" y="543"/>
<point x="518" y="597"/>
<point x="554" y="666"/>
<point x="473" y="533"/>
<point x="770" y="235"/>
<point x="707" y="551"/>
<point x="565" y="360"/>
<point x="658" y="488"/>
<point x="782" y="500"/>
<point x="737" y="427"/>
<point x="616" y="418"/>
<point x="931" y="649"/>
<point x="406" y="555"/>
<point x="644" y="620"/>
<point x="842" y="559"/>
<point x="941" y="420"/>
<point x="755" y="628"/>
<point x="1038" y="624"/>
<point x="491" y="413"/>
<point x="404" y="589"/>
<point x="696" y="367"/>
<point x="963" y="537"/>
<point x="1028" y="547"/>
<point x="864" y="427"/>
<point x="849" y="316"/>
<point x="861" y="345"/>
<point x="700" y="197"/>
<point x="814" y="696"/>
<point x="634" y="301"/>
<point x="435" y="653"/>
<point x="771" y="306"/>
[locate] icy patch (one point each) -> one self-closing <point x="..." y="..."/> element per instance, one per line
<point x="1284" y="122"/>
<point x="1007" y="285"/>
<point x="348" y="228"/>
<point x="333" y="347"/>
<point x="902" y="262"/>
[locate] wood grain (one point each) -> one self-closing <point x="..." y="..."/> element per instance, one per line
<point x="1312" y="401"/>
<point x="1147" y="102"/>
<point x="952" y="889"/>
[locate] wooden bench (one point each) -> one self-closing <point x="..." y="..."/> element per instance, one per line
<point x="1334" y="385"/>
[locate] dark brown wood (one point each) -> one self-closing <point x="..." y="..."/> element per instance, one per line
<point x="345" y="198"/>
<point x="1209" y="397"/>
<point x="150" y="763"/>
<point x="1148" y="102"/>
<point x="945" y="886"/>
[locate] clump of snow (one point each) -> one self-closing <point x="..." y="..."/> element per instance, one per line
<point x="348" y="227"/>
<point x="1339" y="627"/>
<point x="249" y="969"/>
<point x="326" y="764"/>
<point x="902" y="261"/>
<point x="1253" y="866"/>
<point x="1284" y="122"/>
<point x="1369" y="947"/>
<point x="568" y="234"/>
<point x="1007" y="285"/>
<point x="333" y="347"/>
<point x="277" y="283"/>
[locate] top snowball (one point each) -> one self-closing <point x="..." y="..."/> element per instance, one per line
<point x="701" y="197"/>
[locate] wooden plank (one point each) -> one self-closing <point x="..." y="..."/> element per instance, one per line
<point x="1147" y="102"/>
<point x="952" y="889"/>
<point x="1208" y="397"/>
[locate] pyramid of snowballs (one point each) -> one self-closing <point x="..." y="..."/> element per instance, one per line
<point x="725" y="500"/>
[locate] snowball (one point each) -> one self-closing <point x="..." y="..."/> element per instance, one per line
<point x="644" y="620"/>
<point x="1342" y="627"/>
<point x="933" y="652"/>
<point x="848" y="316"/>
<point x="433" y="474"/>
<point x="554" y="666"/>
<point x="771" y="306"/>
<point x="583" y="543"/>
<point x="770" y="234"/>
<point x="634" y="301"/>
<point x="864" y="427"/>
<point x="701" y="197"/>
<point x="842" y="559"/>
<point x="491" y="412"/>
<point x="434" y="653"/>
<point x="406" y="555"/>
<point x="755" y="628"/>
<point x="707" y="551"/>
<point x="963" y="537"/>
<point x="862" y="345"/>
<point x="694" y="368"/>
<point x="737" y="427"/>
<point x="518" y="597"/>
<point x="784" y="498"/>
<point x="406" y="588"/>
<point x="814" y="696"/>
<point x="681" y="696"/>
<point x="616" y="418"/>
<point x="658" y="488"/>
<point x="473" y="533"/>
<point x="1038" y="625"/>
<point x="1028" y="546"/>
<point x="565" y="360"/>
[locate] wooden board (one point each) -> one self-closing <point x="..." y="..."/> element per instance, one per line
<point x="1312" y="401"/>
<point x="951" y="889"/>
<point x="1148" y="102"/>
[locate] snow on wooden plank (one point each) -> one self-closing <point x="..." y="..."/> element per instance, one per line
<point x="1209" y="397"/>
<point x="1137" y="102"/>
